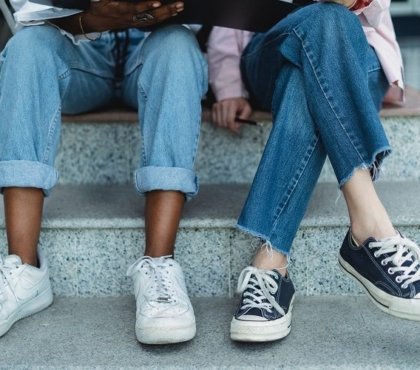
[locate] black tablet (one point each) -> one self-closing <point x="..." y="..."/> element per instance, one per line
<point x="251" y="15"/>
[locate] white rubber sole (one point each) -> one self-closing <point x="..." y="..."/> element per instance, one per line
<point x="167" y="334"/>
<point x="35" y="305"/>
<point x="261" y="331"/>
<point x="401" y="307"/>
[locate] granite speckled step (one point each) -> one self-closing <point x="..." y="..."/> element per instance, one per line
<point x="103" y="148"/>
<point x="92" y="233"/>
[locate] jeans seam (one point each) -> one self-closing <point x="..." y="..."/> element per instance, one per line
<point x="246" y="55"/>
<point x="291" y="188"/>
<point x="307" y="53"/>
<point x="50" y="135"/>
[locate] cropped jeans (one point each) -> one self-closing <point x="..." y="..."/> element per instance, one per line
<point x="324" y="85"/>
<point x="44" y="74"/>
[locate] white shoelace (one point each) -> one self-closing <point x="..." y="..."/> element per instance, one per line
<point x="262" y="286"/>
<point x="401" y="250"/>
<point x="162" y="289"/>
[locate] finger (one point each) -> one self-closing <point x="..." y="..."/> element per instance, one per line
<point x="167" y="11"/>
<point x="220" y="116"/>
<point x="231" y="115"/>
<point x="225" y="114"/>
<point x="246" y="111"/>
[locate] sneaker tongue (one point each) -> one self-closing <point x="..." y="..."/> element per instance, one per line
<point x="13" y="260"/>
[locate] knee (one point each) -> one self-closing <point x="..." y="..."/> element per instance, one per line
<point x="174" y="41"/>
<point x="33" y="42"/>
<point x="334" y="18"/>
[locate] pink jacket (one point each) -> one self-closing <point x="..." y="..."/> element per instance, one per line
<point x="226" y="46"/>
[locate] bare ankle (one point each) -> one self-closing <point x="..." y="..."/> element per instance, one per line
<point x="377" y="230"/>
<point x="267" y="258"/>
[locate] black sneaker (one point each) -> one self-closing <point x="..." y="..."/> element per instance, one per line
<point x="265" y="310"/>
<point x="389" y="271"/>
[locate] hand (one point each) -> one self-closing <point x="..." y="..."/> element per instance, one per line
<point x="107" y="15"/>
<point x="225" y="111"/>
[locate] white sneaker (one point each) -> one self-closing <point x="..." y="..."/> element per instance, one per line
<point x="164" y="311"/>
<point x="24" y="290"/>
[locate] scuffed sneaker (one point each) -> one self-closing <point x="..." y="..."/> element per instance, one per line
<point x="24" y="290"/>
<point x="164" y="312"/>
<point x="265" y="309"/>
<point x="389" y="271"/>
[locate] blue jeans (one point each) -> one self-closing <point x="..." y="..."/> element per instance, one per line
<point x="43" y="74"/>
<point x="324" y="85"/>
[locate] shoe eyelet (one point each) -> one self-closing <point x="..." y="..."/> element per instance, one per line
<point x="384" y="262"/>
<point x="375" y="255"/>
<point x="404" y="286"/>
<point x="398" y="279"/>
<point x="391" y="271"/>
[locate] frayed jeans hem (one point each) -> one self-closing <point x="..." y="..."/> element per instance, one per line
<point x="262" y="237"/>
<point x="374" y="167"/>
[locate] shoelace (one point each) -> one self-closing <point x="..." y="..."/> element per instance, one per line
<point x="404" y="254"/>
<point x="162" y="289"/>
<point x="259" y="287"/>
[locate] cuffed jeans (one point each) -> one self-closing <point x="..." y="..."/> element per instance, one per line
<point x="43" y="74"/>
<point x="324" y="85"/>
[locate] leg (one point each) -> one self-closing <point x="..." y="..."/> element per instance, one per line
<point x="23" y="211"/>
<point x="30" y="129"/>
<point x="167" y="72"/>
<point x="309" y="105"/>
<point x="166" y="80"/>
<point x="48" y="69"/>
<point x="345" y="115"/>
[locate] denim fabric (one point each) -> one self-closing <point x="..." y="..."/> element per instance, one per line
<point x="324" y="85"/>
<point x="43" y="74"/>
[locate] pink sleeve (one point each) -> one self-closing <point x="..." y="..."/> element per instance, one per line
<point x="224" y="50"/>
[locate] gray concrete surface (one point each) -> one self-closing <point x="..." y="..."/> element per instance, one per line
<point x="327" y="333"/>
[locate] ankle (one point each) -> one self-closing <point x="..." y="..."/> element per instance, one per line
<point x="267" y="258"/>
<point x="377" y="230"/>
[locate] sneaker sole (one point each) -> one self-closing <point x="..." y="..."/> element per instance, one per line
<point x="400" y="307"/>
<point x="35" y="305"/>
<point x="166" y="335"/>
<point x="262" y="331"/>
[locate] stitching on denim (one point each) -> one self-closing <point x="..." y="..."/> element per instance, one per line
<point x="51" y="131"/>
<point x="204" y="86"/>
<point x="64" y="75"/>
<point x="324" y="93"/>
<point x="245" y="56"/>
<point x="293" y="183"/>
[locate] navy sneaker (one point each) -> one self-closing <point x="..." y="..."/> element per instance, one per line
<point x="265" y="310"/>
<point x="389" y="271"/>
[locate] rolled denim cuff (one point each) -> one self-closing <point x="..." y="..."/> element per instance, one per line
<point x="167" y="178"/>
<point x="27" y="174"/>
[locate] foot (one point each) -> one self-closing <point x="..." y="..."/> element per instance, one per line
<point x="389" y="271"/>
<point x="164" y="311"/>
<point x="24" y="290"/>
<point x="265" y="311"/>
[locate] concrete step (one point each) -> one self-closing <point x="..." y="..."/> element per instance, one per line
<point x="103" y="148"/>
<point x="327" y="333"/>
<point x="92" y="233"/>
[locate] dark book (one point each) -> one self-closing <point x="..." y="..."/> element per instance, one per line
<point x="251" y="15"/>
